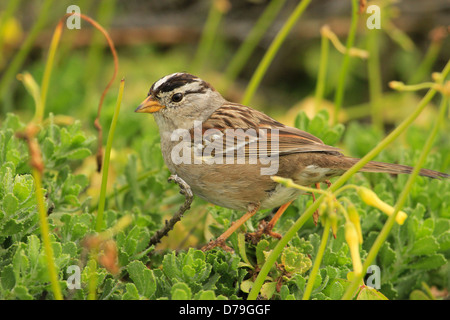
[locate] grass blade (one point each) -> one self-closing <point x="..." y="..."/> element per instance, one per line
<point x="272" y="51"/>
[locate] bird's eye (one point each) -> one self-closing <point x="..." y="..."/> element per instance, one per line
<point x="177" y="97"/>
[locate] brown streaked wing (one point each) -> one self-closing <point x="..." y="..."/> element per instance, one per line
<point x="236" y="116"/>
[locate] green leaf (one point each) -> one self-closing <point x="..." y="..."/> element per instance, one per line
<point x="430" y="262"/>
<point x="70" y="248"/>
<point x="294" y="261"/>
<point x="72" y="200"/>
<point x="418" y="295"/>
<point x="12" y="227"/>
<point x="12" y="122"/>
<point x="426" y="228"/>
<point x="180" y="291"/>
<point x="48" y="149"/>
<point x="21" y="293"/>
<point x="317" y="281"/>
<point x="7" y="172"/>
<point x="260" y="249"/>
<point x="65" y="137"/>
<point x="10" y="203"/>
<point x="78" y="154"/>
<point x="268" y="289"/>
<point x="302" y="121"/>
<point x="206" y="295"/>
<point x="131" y="292"/>
<point x="368" y="293"/>
<point x="242" y="250"/>
<point x="143" y="278"/>
<point x="34" y="246"/>
<point x="334" y="290"/>
<point x="78" y="231"/>
<point x="317" y="124"/>
<point x="246" y="285"/>
<point x="23" y="187"/>
<point x="444" y="241"/>
<point x="170" y="267"/>
<point x="387" y="254"/>
<point x="8" y="278"/>
<point x="188" y="271"/>
<point x="441" y="226"/>
<point x="426" y="245"/>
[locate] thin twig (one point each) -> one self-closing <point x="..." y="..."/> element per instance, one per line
<point x="187" y="192"/>
<point x="99" y="155"/>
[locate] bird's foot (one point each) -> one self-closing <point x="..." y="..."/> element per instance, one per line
<point x="264" y="228"/>
<point x="185" y="189"/>
<point x="217" y="243"/>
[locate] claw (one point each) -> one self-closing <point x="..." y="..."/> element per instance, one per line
<point x="264" y="228"/>
<point x="217" y="243"/>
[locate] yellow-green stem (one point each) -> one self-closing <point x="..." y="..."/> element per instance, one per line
<point x="48" y="69"/>
<point x="45" y="233"/>
<point x="318" y="260"/>
<point x="400" y="202"/>
<point x="336" y="185"/>
<point x="92" y="284"/>
<point x="374" y="76"/>
<point x="271" y="52"/>
<point x="339" y="95"/>
<point x="102" y="198"/>
<point x="400" y="86"/>
<point x="95" y="53"/>
<point x="208" y="36"/>
<point x="245" y="50"/>
<point x="321" y="78"/>
<point x="426" y="65"/>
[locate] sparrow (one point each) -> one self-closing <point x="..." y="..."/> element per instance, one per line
<point x="227" y="152"/>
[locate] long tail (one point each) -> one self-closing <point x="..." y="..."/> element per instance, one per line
<point x="375" y="166"/>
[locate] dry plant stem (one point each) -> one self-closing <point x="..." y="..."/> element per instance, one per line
<point x="187" y="192"/>
<point x="46" y="78"/>
<point x="35" y="155"/>
<point x="270" y="261"/>
<point x="104" y="15"/>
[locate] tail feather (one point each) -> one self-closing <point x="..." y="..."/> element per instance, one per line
<point x="375" y="166"/>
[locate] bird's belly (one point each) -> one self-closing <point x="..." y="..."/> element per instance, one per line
<point x="229" y="186"/>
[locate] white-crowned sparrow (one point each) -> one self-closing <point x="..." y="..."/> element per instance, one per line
<point x="194" y="122"/>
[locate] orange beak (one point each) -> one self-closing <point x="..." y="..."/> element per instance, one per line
<point x="149" y="106"/>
